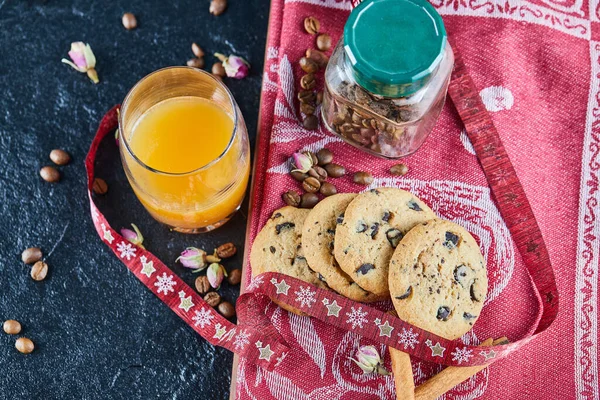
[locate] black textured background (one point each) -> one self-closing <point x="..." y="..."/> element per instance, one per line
<point x="99" y="333"/>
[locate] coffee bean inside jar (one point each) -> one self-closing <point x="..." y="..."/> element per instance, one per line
<point x="387" y="78"/>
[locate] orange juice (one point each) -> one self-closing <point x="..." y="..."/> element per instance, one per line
<point x="192" y="168"/>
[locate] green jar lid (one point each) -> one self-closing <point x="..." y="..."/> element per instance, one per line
<point x="394" y="45"/>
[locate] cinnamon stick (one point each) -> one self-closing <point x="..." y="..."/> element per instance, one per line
<point x="451" y="376"/>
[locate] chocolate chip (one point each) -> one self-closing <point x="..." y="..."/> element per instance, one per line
<point x="451" y="240"/>
<point x="374" y="230"/>
<point x="473" y="294"/>
<point x="386" y="216"/>
<point x="331" y="231"/>
<point x="322" y="279"/>
<point x="272" y="249"/>
<point x="340" y="218"/>
<point x="363" y="269"/>
<point x="394" y="236"/>
<point x="443" y="260"/>
<point x="406" y="294"/>
<point x="413" y="205"/>
<point x="469" y="316"/>
<point x="285" y="225"/>
<point x="460" y="273"/>
<point x="443" y="313"/>
<point x="361" y="227"/>
<point x="276" y="215"/>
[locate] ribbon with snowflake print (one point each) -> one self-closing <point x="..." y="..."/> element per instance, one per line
<point x="255" y="337"/>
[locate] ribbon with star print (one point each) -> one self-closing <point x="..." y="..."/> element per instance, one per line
<point x="255" y="337"/>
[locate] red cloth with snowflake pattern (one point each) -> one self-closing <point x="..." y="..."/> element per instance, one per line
<point x="537" y="66"/>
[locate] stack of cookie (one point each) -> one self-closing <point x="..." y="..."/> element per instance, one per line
<point x="382" y="243"/>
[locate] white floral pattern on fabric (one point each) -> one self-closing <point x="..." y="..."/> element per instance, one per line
<point x="408" y="338"/>
<point x="202" y="318"/>
<point x="256" y="282"/>
<point x="126" y="249"/>
<point x="165" y="283"/>
<point x="460" y="355"/>
<point x="241" y="340"/>
<point x="305" y="296"/>
<point x="356" y="317"/>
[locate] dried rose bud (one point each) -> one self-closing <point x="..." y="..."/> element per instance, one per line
<point x="134" y="236"/>
<point x="215" y="274"/>
<point x="369" y="361"/>
<point x="235" y="67"/>
<point x="302" y="162"/>
<point x="83" y="60"/>
<point x="193" y="257"/>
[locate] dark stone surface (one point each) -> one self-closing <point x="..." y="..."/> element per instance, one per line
<point x="99" y="333"/>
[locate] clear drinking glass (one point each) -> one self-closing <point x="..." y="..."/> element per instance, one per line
<point x="205" y="196"/>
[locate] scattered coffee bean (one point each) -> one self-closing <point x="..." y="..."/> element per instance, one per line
<point x="311" y="122"/>
<point x="235" y="276"/>
<point x="309" y="200"/>
<point x="218" y="69"/>
<point x="318" y="57"/>
<point x="298" y="175"/>
<point x="306" y="96"/>
<point x="308" y="82"/>
<point x="39" y="271"/>
<point x="363" y="178"/>
<point x="50" y="174"/>
<point x="399" y="169"/>
<point x="202" y="284"/>
<point x="197" y="50"/>
<point x="12" y="327"/>
<point x="100" y="186"/>
<point x="318" y="172"/>
<point x="307" y="108"/>
<point x="196" y="62"/>
<point x="227" y="309"/>
<point x="311" y="185"/>
<point x="31" y="255"/>
<point x="226" y="250"/>
<point x="324" y="156"/>
<point x="129" y="21"/>
<point x="311" y="25"/>
<point x="217" y="7"/>
<point x="212" y="298"/>
<point x="291" y="198"/>
<point x="323" y="42"/>
<point x="24" y="345"/>
<point x="309" y="66"/>
<point x="335" y="170"/>
<point x="60" y="157"/>
<point x="319" y="98"/>
<point x="327" y="189"/>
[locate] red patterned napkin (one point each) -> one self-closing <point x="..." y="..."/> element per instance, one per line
<point x="531" y="64"/>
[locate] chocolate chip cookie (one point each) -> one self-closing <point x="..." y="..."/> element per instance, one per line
<point x="318" y="237"/>
<point x="438" y="278"/>
<point x="278" y="248"/>
<point x="373" y="225"/>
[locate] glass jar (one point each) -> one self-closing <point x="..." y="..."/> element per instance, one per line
<point x="184" y="148"/>
<point x="386" y="81"/>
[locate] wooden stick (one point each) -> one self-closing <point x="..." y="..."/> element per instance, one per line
<point x="403" y="375"/>
<point x="402" y="371"/>
<point x="451" y="376"/>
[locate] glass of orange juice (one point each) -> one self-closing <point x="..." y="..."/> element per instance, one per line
<point x="184" y="147"/>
